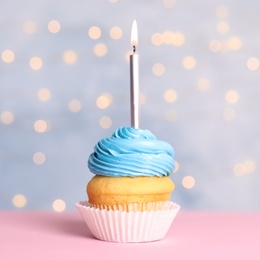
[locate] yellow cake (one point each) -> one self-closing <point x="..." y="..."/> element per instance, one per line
<point x="109" y="192"/>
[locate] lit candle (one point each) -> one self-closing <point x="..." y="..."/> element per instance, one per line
<point x="134" y="78"/>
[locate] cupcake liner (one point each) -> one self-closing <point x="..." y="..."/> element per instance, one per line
<point x="146" y="206"/>
<point x="131" y="226"/>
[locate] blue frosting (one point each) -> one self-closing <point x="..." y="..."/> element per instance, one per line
<point x="132" y="152"/>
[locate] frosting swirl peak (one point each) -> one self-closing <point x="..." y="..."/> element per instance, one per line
<point x="131" y="152"/>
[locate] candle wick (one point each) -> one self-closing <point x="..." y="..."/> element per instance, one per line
<point x="134" y="48"/>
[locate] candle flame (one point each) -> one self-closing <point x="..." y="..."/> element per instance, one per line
<point x="134" y="34"/>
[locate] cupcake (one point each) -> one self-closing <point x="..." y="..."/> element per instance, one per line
<point x="129" y="196"/>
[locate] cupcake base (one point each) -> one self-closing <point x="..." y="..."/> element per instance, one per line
<point x="128" y="227"/>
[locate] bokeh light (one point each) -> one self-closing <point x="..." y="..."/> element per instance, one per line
<point x="19" y="201"/>
<point x="116" y="33"/>
<point x="246" y="167"/>
<point x="168" y="37"/>
<point x="104" y="101"/>
<point x="177" y="167"/>
<point x="70" y="56"/>
<point x="215" y="45"/>
<point x="222" y="12"/>
<point x="29" y="27"/>
<point x="203" y="84"/>
<point x="94" y="32"/>
<point x="59" y="205"/>
<point x="229" y="114"/>
<point x="170" y="95"/>
<point x="169" y="3"/>
<point x="188" y="182"/>
<point x="127" y="56"/>
<point x="232" y="96"/>
<point x="158" y="69"/>
<point x="36" y="63"/>
<point x="41" y="126"/>
<point x="142" y="98"/>
<point x="53" y="26"/>
<point x="250" y="166"/>
<point x="170" y="115"/>
<point x="7" y="117"/>
<point x="105" y="122"/>
<point x="75" y="105"/>
<point x="44" y="94"/>
<point x="222" y="27"/>
<point x="100" y="49"/>
<point x="112" y="1"/>
<point x="8" y="56"/>
<point x="234" y="44"/>
<point x="39" y="158"/>
<point x="178" y="39"/>
<point x="157" y="39"/>
<point x="239" y="169"/>
<point x="189" y="62"/>
<point x="252" y="63"/>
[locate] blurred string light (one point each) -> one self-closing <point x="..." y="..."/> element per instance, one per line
<point x="170" y="95"/>
<point x="232" y="44"/>
<point x="189" y="62"/>
<point x="100" y="49"/>
<point x="105" y="122"/>
<point x="142" y="98"/>
<point x="94" y="32"/>
<point x="232" y="96"/>
<point x="177" y="167"/>
<point x="229" y="114"/>
<point x="104" y="101"/>
<point x="59" y="205"/>
<point x="127" y="56"/>
<point x="29" y="27"/>
<point x="252" y="63"/>
<point x="19" y="201"/>
<point x="169" y="3"/>
<point x="222" y="12"/>
<point x="8" y="56"/>
<point x="203" y="84"/>
<point x="44" y="94"/>
<point x="35" y="63"/>
<point x="116" y="33"/>
<point x="247" y="167"/>
<point x="54" y="26"/>
<point x="170" y="115"/>
<point x="7" y="117"/>
<point x="41" y="126"/>
<point x="169" y="38"/>
<point x="188" y="182"/>
<point x="70" y="57"/>
<point x="222" y="27"/>
<point x="112" y="1"/>
<point x="75" y="105"/>
<point x="39" y="158"/>
<point x="215" y="45"/>
<point x="158" y="69"/>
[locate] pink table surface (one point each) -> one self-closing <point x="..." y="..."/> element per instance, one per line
<point x="193" y="235"/>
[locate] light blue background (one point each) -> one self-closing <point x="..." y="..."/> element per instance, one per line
<point x="207" y="146"/>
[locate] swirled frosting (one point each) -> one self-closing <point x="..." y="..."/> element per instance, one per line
<point x="131" y="152"/>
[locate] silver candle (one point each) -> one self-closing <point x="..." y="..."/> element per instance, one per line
<point x="134" y="79"/>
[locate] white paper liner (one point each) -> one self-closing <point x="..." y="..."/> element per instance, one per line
<point x="147" y="206"/>
<point x="132" y="226"/>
